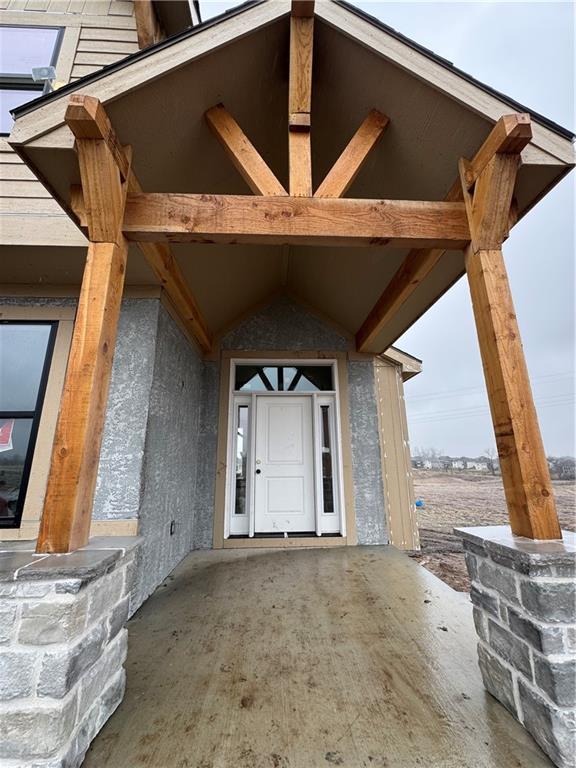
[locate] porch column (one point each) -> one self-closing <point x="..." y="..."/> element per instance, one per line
<point x="104" y="169"/>
<point x="488" y="198"/>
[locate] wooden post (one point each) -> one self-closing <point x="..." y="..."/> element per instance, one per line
<point x="300" y="98"/>
<point x="524" y="468"/>
<point x="68" y="503"/>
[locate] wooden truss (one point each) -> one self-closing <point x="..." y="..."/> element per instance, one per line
<point x="475" y="216"/>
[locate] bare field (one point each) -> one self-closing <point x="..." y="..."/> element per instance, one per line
<point x="454" y="499"/>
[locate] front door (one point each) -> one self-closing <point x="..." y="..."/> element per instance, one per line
<point x="284" y="465"/>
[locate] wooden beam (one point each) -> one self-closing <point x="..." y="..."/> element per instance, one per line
<point x="148" y="27"/>
<point x="525" y="474"/>
<point x="88" y="119"/>
<point x="293" y="221"/>
<point x="510" y="134"/>
<point x="253" y="169"/>
<point x="300" y="98"/>
<point x="523" y="464"/>
<point x="69" y="496"/>
<point x="67" y="512"/>
<point x="300" y="163"/>
<point x="413" y="270"/>
<point x="348" y="165"/>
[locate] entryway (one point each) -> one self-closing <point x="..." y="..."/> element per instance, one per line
<point x="284" y="450"/>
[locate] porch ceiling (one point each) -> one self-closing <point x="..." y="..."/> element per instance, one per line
<point x="161" y="114"/>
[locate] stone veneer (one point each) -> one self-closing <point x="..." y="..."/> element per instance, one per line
<point x="62" y="648"/>
<point x="524" y="596"/>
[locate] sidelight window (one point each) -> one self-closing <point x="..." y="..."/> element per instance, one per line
<point x="242" y="438"/>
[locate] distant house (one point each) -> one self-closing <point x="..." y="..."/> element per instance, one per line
<point x="478" y="465"/>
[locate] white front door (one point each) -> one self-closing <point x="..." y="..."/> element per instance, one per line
<point x="284" y="465"/>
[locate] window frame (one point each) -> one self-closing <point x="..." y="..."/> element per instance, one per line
<point x="35" y="415"/>
<point x="23" y="81"/>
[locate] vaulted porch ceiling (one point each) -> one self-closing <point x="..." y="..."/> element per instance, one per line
<point x="157" y="103"/>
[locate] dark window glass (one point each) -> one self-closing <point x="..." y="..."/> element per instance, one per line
<point x="241" y="460"/>
<point x="21" y="50"/>
<point x="303" y="378"/>
<point x="25" y="354"/>
<point x="14" y="444"/>
<point x="327" y="476"/>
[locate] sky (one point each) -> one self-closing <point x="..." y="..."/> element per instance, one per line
<point x="526" y="50"/>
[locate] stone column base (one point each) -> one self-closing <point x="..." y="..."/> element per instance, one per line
<point x="524" y="597"/>
<point x="62" y="648"/>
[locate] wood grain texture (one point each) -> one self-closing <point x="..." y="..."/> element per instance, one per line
<point x="525" y="473"/>
<point x="299" y="105"/>
<point x="414" y="269"/>
<point x="87" y="119"/>
<point x="510" y="132"/>
<point x="292" y="220"/>
<point x="147" y="24"/>
<point x="69" y="496"/>
<point x="523" y="464"/>
<point x="246" y="159"/>
<point x="301" y="49"/>
<point x="300" y="163"/>
<point x="102" y="190"/>
<point x="353" y="157"/>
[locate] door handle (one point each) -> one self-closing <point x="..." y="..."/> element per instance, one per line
<point x="258" y="471"/>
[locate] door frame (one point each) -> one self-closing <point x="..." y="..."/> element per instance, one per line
<point x="342" y="448"/>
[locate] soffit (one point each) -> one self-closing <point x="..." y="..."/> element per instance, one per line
<point x="174" y="151"/>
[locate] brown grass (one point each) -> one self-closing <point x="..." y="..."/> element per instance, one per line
<point x="454" y="499"/>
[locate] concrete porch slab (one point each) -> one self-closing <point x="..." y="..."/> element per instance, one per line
<point x="352" y="656"/>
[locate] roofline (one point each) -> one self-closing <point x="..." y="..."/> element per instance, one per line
<point x="410" y="366"/>
<point x="73" y="87"/>
<point x="516" y="105"/>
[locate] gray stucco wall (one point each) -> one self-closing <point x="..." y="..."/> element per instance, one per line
<point x="284" y="325"/>
<point x="118" y="488"/>
<point x="366" y="457"/>
<point x="158" y="459"/>
<point x="204" y="503"/>
<point x="172" y="455"/>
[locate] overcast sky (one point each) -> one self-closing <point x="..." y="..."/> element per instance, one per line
<point x="526" y="50"/>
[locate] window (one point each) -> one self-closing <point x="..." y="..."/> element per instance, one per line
<point x="21" y="49"/>
<point x="327" y="473"/>
<point x="284" y="378"/>
<point x="25" y="355"/>
<point x="241" y="460"/>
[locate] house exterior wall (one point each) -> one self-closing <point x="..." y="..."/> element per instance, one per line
<point x="172" y="457"/>
<point x="96" y="33"/>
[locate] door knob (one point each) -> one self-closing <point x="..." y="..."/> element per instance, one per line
<point x="258" y="471"/>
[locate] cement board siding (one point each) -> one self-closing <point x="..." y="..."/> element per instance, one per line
<point x="366" y="457"/>
<point x="172" y="455"/>
<point x="86" y="47"/>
